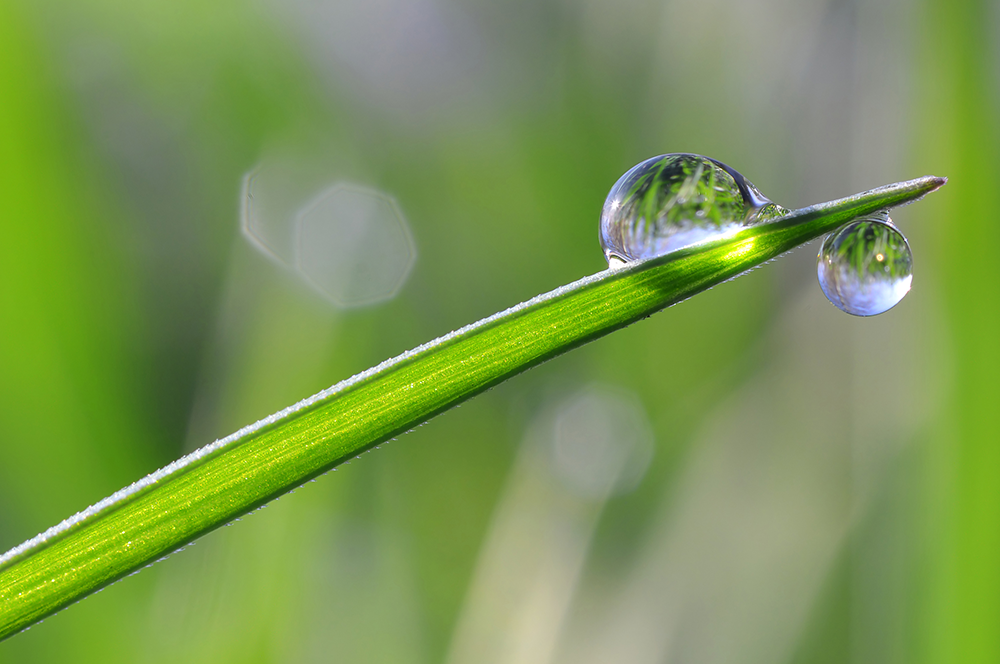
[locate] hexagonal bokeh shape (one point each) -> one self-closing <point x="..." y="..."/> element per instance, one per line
<point x="354" y="245"/>
<point x="272" y="194"/>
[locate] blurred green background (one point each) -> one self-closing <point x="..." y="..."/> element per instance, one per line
<point x="787" y="483"/>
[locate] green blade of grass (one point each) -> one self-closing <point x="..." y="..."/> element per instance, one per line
<point x="237" y="474"/>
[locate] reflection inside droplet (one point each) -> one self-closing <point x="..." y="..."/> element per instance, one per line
<point x="866" y="267"/>
<point x="674" y="201"/>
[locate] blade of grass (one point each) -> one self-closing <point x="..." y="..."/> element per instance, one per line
<point x="226" y="479"/>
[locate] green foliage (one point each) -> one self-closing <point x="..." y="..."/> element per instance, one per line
<point x="223" y="481"/>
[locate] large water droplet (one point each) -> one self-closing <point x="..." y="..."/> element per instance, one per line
<point x="866" y="267"/>
<point x="674" y="201"/>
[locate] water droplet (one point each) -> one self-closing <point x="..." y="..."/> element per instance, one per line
<point x="674" y="201"/>
<point x="866" y="267"/>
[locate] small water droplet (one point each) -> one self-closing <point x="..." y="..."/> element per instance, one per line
<point x="866" y="267"/>
<point x="674" y="201"/>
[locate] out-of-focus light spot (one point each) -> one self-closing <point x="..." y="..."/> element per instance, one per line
<point x="602" y="442"/>
<point x="273" y="193"/>
<point x="576" y="454"/>
<point x="354" y="245"/>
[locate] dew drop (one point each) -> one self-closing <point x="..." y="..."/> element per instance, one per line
<point x="865" y="268"/>
<point x="674" y="201"/>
